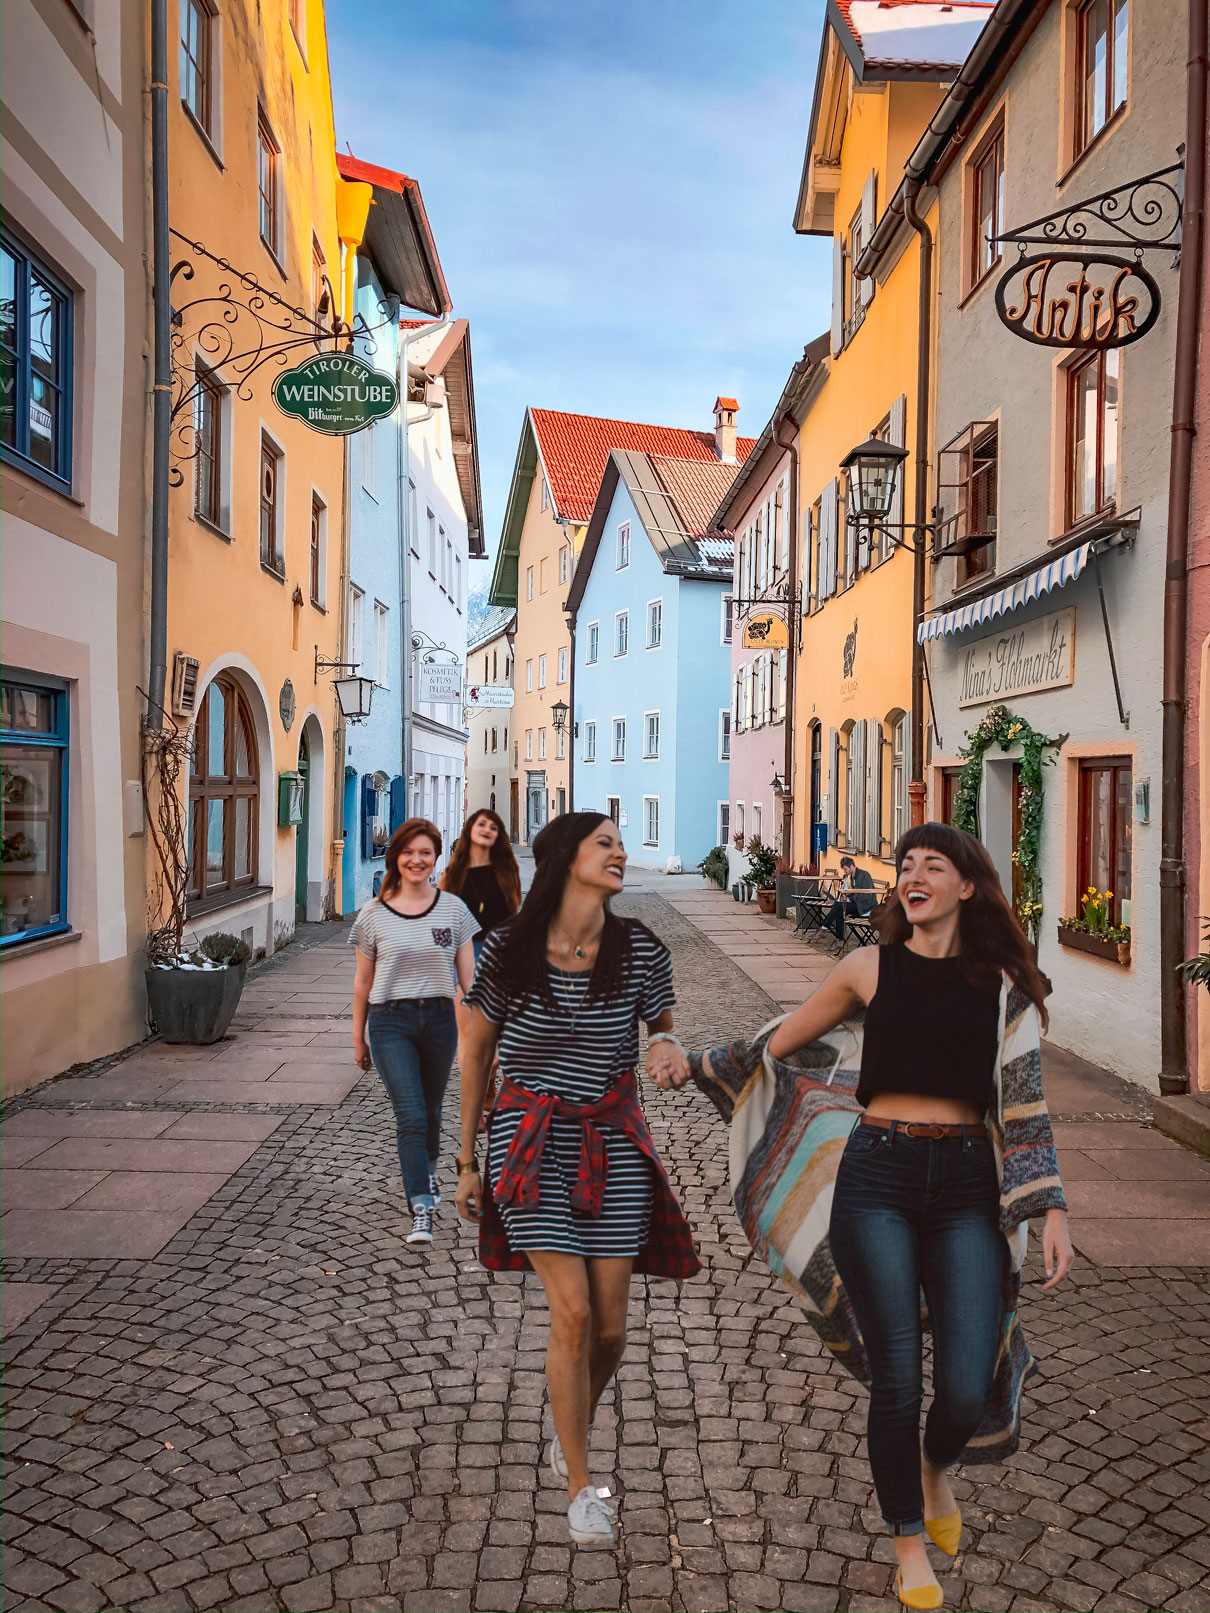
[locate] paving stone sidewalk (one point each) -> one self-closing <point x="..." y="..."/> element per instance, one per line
<point x="283" y="1406"/>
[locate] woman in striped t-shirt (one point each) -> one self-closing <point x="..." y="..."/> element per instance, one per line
<point x="414" y="952"/>
<point x="574" y="1187"/>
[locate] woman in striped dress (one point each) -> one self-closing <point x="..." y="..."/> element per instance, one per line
<point x="574" y="1188"/>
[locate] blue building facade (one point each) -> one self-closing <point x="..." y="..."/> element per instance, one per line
<point x="653" y="657"/>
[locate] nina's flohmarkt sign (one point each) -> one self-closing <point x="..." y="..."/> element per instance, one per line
<point x="336" y="393"/>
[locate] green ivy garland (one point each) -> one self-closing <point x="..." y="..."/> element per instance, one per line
<point x="999" y="726"/>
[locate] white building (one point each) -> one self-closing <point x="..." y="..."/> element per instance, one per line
<point x="489" y="665"/>
<point x="445" y="532"/>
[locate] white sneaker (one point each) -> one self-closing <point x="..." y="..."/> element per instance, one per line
<point x="589" y="1520"/>
<point x="422" y="1227"/>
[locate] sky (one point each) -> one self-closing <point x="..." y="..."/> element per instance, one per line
<point x="611" y="187"/>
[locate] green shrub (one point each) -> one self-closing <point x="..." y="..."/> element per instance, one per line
<point x="714" y="866"/>
<point x="226" y="949"/>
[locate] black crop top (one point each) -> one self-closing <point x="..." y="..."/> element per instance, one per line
<point x="927" y="1032"/>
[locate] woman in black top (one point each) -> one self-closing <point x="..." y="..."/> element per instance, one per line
<point x="483" y="872"/>
<point x="917" y="1196"/>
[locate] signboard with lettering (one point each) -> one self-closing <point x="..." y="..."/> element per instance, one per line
<point x="495" y="695"/>
<point x="767" y="631"/>
<point x="1021" y="660"/>
<point x="1078" y="300"/>
<point x="441" y="680"/>
<point x="336" y="393"/>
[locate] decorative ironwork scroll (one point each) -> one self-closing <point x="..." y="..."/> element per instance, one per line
<point x="223" y="337"/>
<point x="1143" y="213"/>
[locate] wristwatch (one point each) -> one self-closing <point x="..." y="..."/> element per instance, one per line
<point x="468" y="1167"/>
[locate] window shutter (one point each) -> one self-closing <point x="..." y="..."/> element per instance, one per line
<point x="897" y="434"/>
<point x="827" y="541"/>
<point x="837" y="294"/>
<point x="783" y="666"/>
<point x="399" y="800"/>
<point x="833" y="784"/>
<point x="873" y="787"/>
<point x="857" y="782"/>
<point x="850" y="542"/>
<point x="868" y="196"/>
<point x="367" y="815"/>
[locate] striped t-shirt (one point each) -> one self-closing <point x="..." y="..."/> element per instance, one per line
<point x="414" y="953"/>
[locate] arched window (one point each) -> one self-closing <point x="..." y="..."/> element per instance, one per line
<point x="224" y="792"/>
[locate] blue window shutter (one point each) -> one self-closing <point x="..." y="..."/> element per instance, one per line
<point x="399" y="802"/>
<point x="367" y="816"/>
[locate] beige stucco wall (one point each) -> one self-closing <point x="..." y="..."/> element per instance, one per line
<point x="1105" y="1012"/>
<point x="488" y="771"/>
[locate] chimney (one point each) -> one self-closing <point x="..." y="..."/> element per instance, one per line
<point x="725" y="411"/>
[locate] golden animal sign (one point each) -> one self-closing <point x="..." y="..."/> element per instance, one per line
<point x="766" y="632"/>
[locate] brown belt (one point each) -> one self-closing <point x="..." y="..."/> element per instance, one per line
<point x="922" y="1128"/>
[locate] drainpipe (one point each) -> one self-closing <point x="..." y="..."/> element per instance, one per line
<point x="571" y="701"/>
<point x="405" y="505"/>
<point x="1174" y="1068"/>
<point x="161" y="409"/>
<point x="917" y="790"/>
<point x="785" y="431"/>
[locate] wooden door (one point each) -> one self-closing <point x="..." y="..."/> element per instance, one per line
<point x="514" y="809"/>
<point x="302" y="835"/>
<point x="816" y="789"/>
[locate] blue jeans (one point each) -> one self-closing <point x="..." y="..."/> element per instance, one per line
<point x="412" y="1042"/>
<point x="911" y="1213"/>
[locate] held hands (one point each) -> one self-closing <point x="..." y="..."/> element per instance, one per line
<point x="667" y="1065"/>
<point x="361" y="1053"/>
<point x="1056" y="1247"/>
<point x="468" y="1195"/>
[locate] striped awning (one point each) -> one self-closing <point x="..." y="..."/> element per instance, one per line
<point x="1064" y="570"/>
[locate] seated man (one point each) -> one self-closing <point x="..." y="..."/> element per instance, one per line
<point x="850" y="904"/>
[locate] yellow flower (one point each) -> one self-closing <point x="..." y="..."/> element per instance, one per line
<point x="1109" y="895"/>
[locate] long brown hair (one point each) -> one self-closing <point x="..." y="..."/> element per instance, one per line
<point x="990" y="937"/>
<point x="503" y="863"/>
<point x="408" y="831"/>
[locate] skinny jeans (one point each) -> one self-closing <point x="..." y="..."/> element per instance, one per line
<point x="912" y="1214"/>
<point x="412" y="1042"/>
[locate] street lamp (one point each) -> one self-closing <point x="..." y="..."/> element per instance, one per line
<point x="353" y="694"/>
<point x="872" y="468"/>
<point x="558" y="713"/>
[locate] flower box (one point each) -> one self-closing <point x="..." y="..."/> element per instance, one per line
<point x="1099" y="946"/>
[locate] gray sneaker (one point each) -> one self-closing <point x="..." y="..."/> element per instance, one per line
<point x="422" y="1227"/>
<point x="589" y="1520"/>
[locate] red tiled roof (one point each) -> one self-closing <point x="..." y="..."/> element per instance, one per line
<point x="725" y="403"/>
<point x="574" y="449"/>
<point x="697" y="487"/>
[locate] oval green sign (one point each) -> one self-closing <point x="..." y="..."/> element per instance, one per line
<point x="336" y="393"/>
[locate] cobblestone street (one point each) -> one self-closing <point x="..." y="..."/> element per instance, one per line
<point x="282" y="1406"/>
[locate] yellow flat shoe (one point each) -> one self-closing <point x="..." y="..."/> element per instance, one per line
<point x="923" y="1596"/>
<point x="945" y="1532"/>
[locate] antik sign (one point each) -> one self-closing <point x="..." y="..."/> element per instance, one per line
<point x="336" y="393"/>
<point x="1022" y="660"/>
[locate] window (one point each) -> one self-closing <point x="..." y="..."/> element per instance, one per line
<point x="728" y="618"/>
<point x="651" y="735"/>
<point x="445" y="551"/>
<point x="590" y="741"/>
<point x="987" y="206"/>
<point x="899" y="780"/>
<point x="619" y="740"/>
<point x="271" y="555"/>
<point x="546" y="501"/>
<point x="413" y="522"/>
<point x="655" y="624"/>
<point x="35" y="365"/>
<point x="1092" y="446"/>
<point x="724" y="823"/>
<point x="592" y="644"/>
<point x="431" y="522"/>
<point x="458" y="597"/>
<point x="724" y="735"/>
<point x="529" y="744"/>
<point x="564" y="564"/>
<point x="529" y="677"/>
<point x="981" y="503"/>
<point x="319" y="290"/>
<point x="562" y="666"/>
<point x="381" y="677"/>
<point x="375" y="814"/>
<point x="529" y="583"/>
<point x="758" y="819"/>
<point x="356" y="627"/>
<point x="651" y="820"/>
<point x="542" y="744"/>
<point x="542" y="575"/>
<point x="197" y="66"/>
<point x="739" y="820"/>
<point x="623" y="546"/>
<point x="1104" y="859"/>
<point x="855" y="297"/>
<point x="208" y="399"/>
<point x="1102" y="61"/>
<point x="33" y="772"/>
<point x="541" y="672"/>
<point x="268" y="180"/>
<point x="560" y="744"/>
<point x="224" y="792"/>
<point x="319" y="547"/>
<point x="621" y="632"/>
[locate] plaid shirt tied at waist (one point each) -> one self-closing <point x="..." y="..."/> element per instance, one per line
<point x="669" y="1250"/>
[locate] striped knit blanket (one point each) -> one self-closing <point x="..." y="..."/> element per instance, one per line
<point x="789" y="1125"/>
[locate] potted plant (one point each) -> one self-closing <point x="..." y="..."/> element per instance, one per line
<point x="762" y="874"/>
<point x="714" y="867"/>
<point x="1092" y="932"/>
<point x="192" y="995"/>
<point x="1196" y="971"/>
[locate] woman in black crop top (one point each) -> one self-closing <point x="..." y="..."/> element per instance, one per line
<point x="917" y="1208"/>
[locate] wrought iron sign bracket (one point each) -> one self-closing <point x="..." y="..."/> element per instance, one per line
<point x="1141" y="215"/>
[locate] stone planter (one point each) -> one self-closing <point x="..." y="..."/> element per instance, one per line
<point x="194" y="1005"/>
<point x="1098" y="946"/>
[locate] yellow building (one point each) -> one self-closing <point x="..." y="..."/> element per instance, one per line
<point x="256" y="533"/>
<point x="882" y="73"/>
